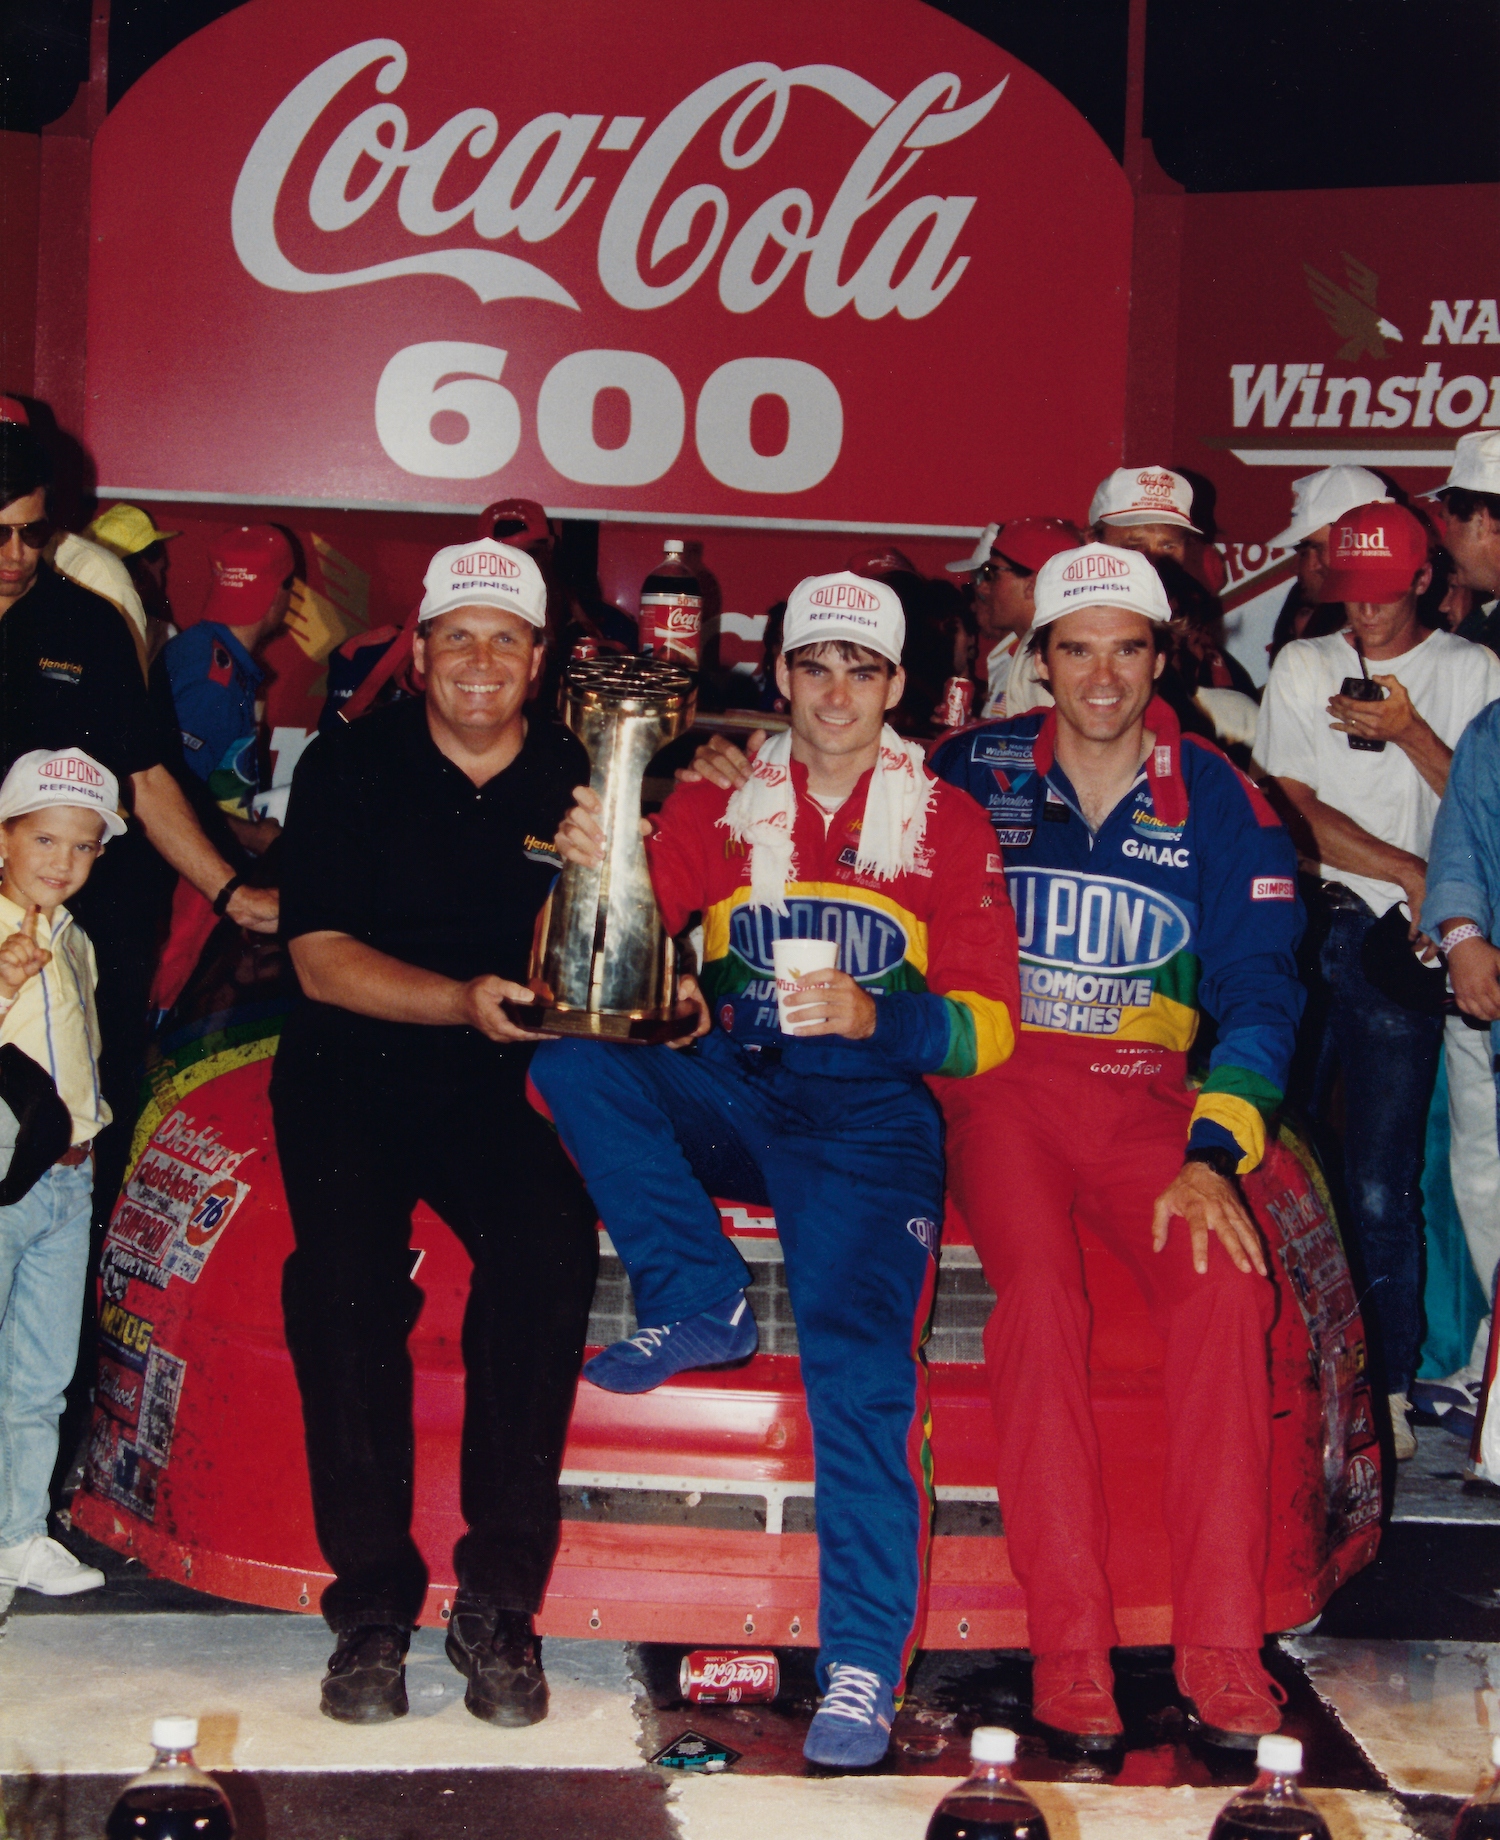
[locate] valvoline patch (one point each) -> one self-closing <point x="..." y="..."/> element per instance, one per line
<point x="1098" y="921"/>
<point x="870" y="942"/>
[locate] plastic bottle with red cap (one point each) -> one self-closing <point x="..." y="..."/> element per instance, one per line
<point x="1272" y="1808"/>
<point x="173" y="1800"/>
<point x="991" y="1804"/>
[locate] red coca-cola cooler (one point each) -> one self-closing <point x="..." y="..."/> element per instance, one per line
<point x="689" y="1510"/>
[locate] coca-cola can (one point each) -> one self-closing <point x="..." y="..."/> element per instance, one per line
<point x="958" y="701"/>
<point x="710" y="1677"/>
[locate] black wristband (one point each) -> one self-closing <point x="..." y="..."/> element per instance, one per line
<point x="226" y="894"/>
<point x="1223" y="1162"/>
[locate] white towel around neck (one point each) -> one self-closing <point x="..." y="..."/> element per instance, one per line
<point x="763" y="814"/>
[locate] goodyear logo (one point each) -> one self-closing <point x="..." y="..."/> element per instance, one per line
<point x="870" y="943"/>
<point x="1097" y="921"/>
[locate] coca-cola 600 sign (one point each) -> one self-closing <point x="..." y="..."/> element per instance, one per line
<point x="849" y="264"/>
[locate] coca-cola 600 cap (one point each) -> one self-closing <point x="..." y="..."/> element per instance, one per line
<point x="1374" y="554"/>
<point x="1098" y="575"/>
<point x="844" y="606"/>
<point x="249" y="566"/>
<point x="1144" y="495"/>
<point x="484" y="574"/>
<point x="41" y="779"/>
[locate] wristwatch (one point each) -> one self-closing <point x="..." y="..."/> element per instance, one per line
<point x="226" y="894"/>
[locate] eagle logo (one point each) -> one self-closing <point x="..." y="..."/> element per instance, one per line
<point x="1351" y="311"/>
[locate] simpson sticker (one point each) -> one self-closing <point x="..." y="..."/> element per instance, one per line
<point x="176" y="1205"/>
<point x="1273" y="888"/>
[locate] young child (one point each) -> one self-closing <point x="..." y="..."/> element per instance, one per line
<point x="56" y="809"/>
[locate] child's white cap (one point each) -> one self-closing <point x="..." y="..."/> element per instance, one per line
<point x="1281" y="1756"/>
<point x="992" y="1744"/>
<point x="41" y="779"/>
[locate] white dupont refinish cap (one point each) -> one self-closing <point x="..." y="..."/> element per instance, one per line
<point x="992" y="1744"/>
<point x="1281" y="1756"/>
<point x="174" y="1734"/>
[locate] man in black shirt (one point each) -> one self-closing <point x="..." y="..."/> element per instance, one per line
<point x="417" y="853"/>
<point x="70" y="677"/>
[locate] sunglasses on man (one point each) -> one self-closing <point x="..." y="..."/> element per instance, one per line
<point x="33" y="535"/>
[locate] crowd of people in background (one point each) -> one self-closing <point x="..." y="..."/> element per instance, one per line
<point x="1375" y="742"/>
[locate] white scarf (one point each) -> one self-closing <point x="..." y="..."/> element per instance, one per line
<point x="763" y="814"/>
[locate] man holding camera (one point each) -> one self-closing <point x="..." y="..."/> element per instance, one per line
<point x="1360" y="757"/>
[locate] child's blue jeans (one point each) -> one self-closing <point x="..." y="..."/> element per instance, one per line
<point x="44" y="1255"/>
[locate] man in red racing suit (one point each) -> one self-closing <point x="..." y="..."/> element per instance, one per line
<point x="1148" y="876"/>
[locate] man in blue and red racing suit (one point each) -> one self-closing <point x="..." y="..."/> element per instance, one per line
<point x="842" y="835"/>
<point x="1149" y="878"/>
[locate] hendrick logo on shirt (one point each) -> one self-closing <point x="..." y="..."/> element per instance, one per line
<point x="60" y="670"/>
<point x="538" y="849"/>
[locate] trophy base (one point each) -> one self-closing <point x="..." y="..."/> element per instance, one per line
<point x="598" y="1025"/>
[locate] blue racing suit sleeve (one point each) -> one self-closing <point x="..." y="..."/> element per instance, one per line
<point x="1250" y="923"/>
<point x="1463" y="861"/>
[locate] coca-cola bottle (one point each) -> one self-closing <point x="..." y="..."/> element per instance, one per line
<point x="1480" y="1819"/>
<point x="1272" y="1808"/>
<point x="991" y="1805"/>
<point x="174" y="1800"/>
<point x="672" y="609"/>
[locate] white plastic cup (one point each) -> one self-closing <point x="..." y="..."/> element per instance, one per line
<point x="792" y="959"/>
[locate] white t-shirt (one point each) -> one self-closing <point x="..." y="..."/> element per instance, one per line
<point x="1024" y="689"/>
<point x="997" y="671"/>
<point x="1448" y="680"/>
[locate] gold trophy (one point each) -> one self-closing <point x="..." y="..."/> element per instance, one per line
<point x="603" y="965"/>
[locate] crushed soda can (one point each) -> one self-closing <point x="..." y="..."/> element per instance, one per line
<point x="711" y="1677"/>
<point x="958" y="701"/>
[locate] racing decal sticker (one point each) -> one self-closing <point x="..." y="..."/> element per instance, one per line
<point x="160" y="1392"/>
<point x="180" y="1197"/>
<point x="871" y="942"/>
<point x="692" y="1751"/>
<point x="1095" y="921"/>
<point x="925" y="1230"/>
<point x="1273" y="888"/>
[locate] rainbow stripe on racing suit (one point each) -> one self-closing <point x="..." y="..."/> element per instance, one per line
<point x="1186" y="897"/>
<point x="937" y="936"/>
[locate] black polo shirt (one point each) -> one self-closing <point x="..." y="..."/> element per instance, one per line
<point x="388" y="841"/>
<point x="70" y="677"/>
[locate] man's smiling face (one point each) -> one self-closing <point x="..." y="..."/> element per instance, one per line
<point x="1101" y="667"/>
<point x="479" y="663"/>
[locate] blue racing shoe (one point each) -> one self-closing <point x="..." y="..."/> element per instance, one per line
<point x="853" y="1725"/>
<point x="714" y="1339"/>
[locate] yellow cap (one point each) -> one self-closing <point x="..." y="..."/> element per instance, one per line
<point x="127" y="530"/>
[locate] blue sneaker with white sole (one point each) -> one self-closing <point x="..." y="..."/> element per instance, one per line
<point x="852" y="1728"/>
<point x="714" y="1339"/>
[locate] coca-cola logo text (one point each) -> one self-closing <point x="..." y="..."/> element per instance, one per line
<point x="917" y="244"/>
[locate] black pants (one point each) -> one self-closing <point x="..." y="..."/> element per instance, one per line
<point x="363" y="1134"/>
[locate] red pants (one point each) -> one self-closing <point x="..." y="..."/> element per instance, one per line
<point x="1071" y="1131"/>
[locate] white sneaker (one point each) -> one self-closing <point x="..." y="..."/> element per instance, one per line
<point x="40" y="1564"/>
<point x="1403" y="1438"/>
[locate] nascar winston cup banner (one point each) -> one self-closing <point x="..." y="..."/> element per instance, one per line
<point x="847" y="264"/>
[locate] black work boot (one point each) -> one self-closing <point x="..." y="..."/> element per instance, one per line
<point x="366" y="1678"/>
<point x="500" y="1655"/>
